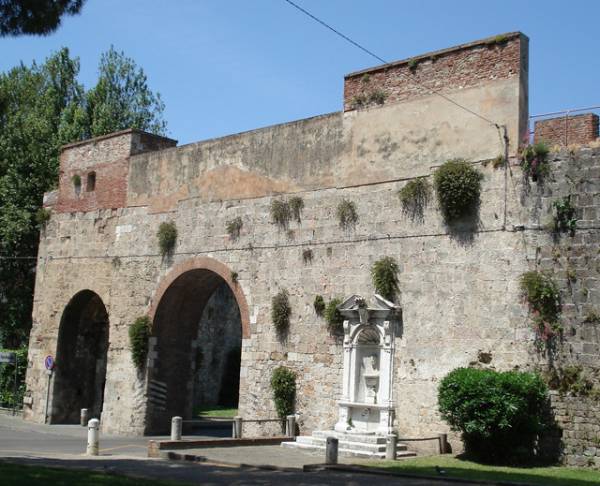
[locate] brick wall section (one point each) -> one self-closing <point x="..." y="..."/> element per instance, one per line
<point x="567" y="130"/>
<point x="108" y="158"/>
<point x="460" y="67"/>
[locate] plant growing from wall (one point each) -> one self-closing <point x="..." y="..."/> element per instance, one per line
<point x="377" y="97"/>
<point x="296" y="204"/>
<point x="499" y="161"/>
<point x="233" y="227"/>
<point x="167" y="236"/>
<point x="458" y="187"/>
<point x="307" y="255"/>
<point x="319" y="305"/>
<point x="42" y="216"/>
<point x="234" y="277"/>
<point x="412" y="64"/>
<point x="76" y="180"/>
<point x="346" y="214"/>
<point x="415" y="196"/>
<point x="280" y="213"/>
<point x="283" y="384"/>
<point x="541" y="292"/>
<point x="564" y="216"/>
<point x="281" y="311"/>
<point x="333" y="317"/>
<point x="139" y="332"/>
<point x="384" y="274"/>
<point x="534" y="161"/>
<point x="494" y="411"/>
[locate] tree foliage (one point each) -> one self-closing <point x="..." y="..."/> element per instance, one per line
<point x="42" y="107"/>
<point x="37" y="17"/>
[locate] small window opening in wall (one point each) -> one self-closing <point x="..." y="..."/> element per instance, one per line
<point x="91" y="182"/>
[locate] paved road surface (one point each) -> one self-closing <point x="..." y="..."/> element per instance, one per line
<point x="64" y="446"/>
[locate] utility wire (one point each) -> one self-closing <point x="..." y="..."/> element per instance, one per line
<point x="356" y="44"/>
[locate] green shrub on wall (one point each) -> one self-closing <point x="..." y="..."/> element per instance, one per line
<point x="499" y="414"/>
<point x="281" y="311"/>
<point x="42" y="216"/>
<point x="283" y="384"/>
<point x="296" y="204"/>
<point x="564" y="216"/>
<point x="415" y="196"/>
<point x="542" y="294"/>
<point x="280" y="213"/>
<point x="346" y="214"/>
<point x="534" y="161"/>
<point x="234" y="227"/>
<point x="139" y="333"/>
<point x="319" y="305"/>
<point x="384" y="273"/>
<point x="167" y="236"/>
<point x="458" y="187"/>
<point x="334" y="318"/>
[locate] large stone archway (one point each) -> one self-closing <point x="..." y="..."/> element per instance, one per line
<point x="81" y="359"/>
<point x="199" y="318"/>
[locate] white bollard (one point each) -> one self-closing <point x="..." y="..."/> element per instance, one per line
<point x="331" y="450"/>
<point x="176" y="426"/>
<point x="93" y="437"/>
<point x="391" y="447"/>
<point x="290" y="426"/>
<point x="83" y="420"/>
<point x="237" y="427"/>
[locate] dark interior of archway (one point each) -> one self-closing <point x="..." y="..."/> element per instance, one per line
<point x="198" y="329"/>
<point x="80" y="359"/>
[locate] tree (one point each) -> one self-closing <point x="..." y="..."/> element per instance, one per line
<point x="38" y="17"/>
<point x="41" y="108"/>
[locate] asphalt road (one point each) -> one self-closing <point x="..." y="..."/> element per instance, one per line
<point x="64" y="446"/>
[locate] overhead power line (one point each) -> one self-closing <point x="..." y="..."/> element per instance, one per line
<point x="364" y="49"/>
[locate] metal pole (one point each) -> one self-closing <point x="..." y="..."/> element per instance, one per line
<point x="176" y="426"/>
<point x="47" y="395"/>
<point x="331" y="450"/>
<point x="93" y="447"/>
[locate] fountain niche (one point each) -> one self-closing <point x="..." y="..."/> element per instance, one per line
<point x="366" y="405"/>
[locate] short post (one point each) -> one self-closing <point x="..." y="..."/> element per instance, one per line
<point x="176" y="426"/>
<point x="83" y="418"/>
<point x="290" y="426"/>
<point x="331" y="450"/>
<point x="443" y="439"/>
<point x="237" y="427"/>
<point x="93" y="437"/>
<point x="391" y="443"/>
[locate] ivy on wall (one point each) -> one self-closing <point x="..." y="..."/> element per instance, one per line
<point x="139" y="333"/>
<point x="458" y="187"/>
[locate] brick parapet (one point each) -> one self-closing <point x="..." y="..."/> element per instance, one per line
<point x="567" y="130"/>
<point x="464" y="66"/>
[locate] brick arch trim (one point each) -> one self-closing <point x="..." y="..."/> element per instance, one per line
<point x="215" y="266"/>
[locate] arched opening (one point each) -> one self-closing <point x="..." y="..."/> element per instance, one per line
<point x="196" y="361"/>
<point x="80" y="359"/>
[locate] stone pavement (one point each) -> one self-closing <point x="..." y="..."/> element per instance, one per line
<point x="64" y="446"/>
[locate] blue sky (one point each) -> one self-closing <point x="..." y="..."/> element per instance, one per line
<point x="225" y="66"/>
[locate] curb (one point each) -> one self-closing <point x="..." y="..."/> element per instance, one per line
<point x="381" y="472"/>
<point x="176" y="456"/>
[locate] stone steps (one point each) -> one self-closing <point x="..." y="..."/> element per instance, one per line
<point x="347" y="444"/>
<point x="346" y="450"/>
<point x="344" y="436"/>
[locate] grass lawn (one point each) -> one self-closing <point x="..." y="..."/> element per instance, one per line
<point x="19" y="475"/>
<point x="458" y="468"/>
<point x="216" y="411"/>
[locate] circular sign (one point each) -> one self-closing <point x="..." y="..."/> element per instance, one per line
<point x="49" y="362"/>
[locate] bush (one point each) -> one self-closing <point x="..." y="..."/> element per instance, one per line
<point x="346" y="214"/>
<point x="167" y="236"/>
<point x="498" y="413"/>
<point x="283" y="384"/>
<point x="234" y="227"/>
<point x="8" y="397"/>
<point x="139" y="332"/>
<point x="280" y="213"/>
<point x="334" y="319"/>
<point x="458" y="187"/>
<point x="384" y="273"/>
<point x="415" y="196"/>
<point x="543" y="297"/>
<point x="42" y="216"/>
<point x="319" y="305"/>
<point x="534" y="160"/>
<point x="280" y="311"/>
<point x="296" y="204"/>
<point x="564" y="218"/>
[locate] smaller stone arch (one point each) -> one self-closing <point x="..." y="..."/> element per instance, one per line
<point x="210" y="265"/>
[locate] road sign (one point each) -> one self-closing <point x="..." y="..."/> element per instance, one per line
<point x="7" y="357"/>
<point x="49" y="362"/>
